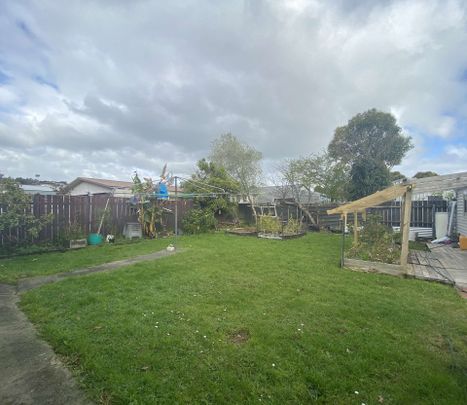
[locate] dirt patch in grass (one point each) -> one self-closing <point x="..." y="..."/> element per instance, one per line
<point x="239" y="337"/>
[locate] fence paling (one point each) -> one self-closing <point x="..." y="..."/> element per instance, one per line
<point x="84" y="212"/>
<point x="423" y="213"/>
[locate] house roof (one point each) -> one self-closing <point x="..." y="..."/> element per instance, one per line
<point x="38" y="189"/>
<point x="270" y="194"/>
<point x="111" y="184"/>
<point x="440" y="183"/>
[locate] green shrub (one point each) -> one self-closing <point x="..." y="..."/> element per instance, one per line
<point x="293" y="226"/>
<point x="269" y="224"/>
<point x="377" y="242"/>
<point x="199" y="221"/>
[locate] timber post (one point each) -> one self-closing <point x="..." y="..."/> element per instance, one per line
<point x="355" y="228"/>
<point x="405" y="226"/>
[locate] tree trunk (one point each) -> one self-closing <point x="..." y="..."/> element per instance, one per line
<point x="307" y="213"/>
<point x="255" y="216"/>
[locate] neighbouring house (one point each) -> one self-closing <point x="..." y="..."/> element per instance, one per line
<point x="91" y="186"/>
<point x="455" y="182"/>
<point x="461" y="223"/>
<point x="42" y="189"/>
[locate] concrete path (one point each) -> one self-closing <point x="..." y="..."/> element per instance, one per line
<point x="26" y="284"/>
<point x="30" y="372"/>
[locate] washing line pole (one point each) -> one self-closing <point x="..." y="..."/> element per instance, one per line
<point x="176" y="210"/>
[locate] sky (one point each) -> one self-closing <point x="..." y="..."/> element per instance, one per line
<point x="104" y="88"/>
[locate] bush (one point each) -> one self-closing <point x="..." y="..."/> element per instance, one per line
<point x="293" y="226"/>
<point x="16" y="206"/>
<point x="377" y="242"/>
<point x="269" y="224"/>
<point x="199" y="221"/>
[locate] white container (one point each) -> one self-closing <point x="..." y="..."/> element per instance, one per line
<point x="441" y="224"/>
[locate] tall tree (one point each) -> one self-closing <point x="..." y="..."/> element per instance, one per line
<point x="421" y="175"/>
<point x="301" y="177"/>
<point x="368" y="176"/>
<point x="295" y="183"/>
<point x="372" y="134"/>
<point x="396" y="175"/>
<point x="208" y="179"/>
<point x="242" y="162"/>
<point x="328" y="176"/>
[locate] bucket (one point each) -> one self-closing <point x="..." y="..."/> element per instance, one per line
<point x="95" y="239"/>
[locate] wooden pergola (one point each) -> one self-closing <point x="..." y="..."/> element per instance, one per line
<point x="388" y="194"/>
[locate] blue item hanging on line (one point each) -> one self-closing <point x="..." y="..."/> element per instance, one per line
<point x="162" y="191"/>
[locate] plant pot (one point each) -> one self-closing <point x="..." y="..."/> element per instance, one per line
<point x="95" y="239"/>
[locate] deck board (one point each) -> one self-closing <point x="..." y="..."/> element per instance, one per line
<point x="450" y="262"/>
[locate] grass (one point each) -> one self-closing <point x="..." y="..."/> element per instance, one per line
<point x="14" y="268"/>
<point x="240" y="320"/>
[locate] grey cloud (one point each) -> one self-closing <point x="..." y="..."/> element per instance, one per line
<point x="166" y="78"/>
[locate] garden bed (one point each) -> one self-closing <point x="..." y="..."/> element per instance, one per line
<point x="242" y="231"/>
<point x="283" y="236"/>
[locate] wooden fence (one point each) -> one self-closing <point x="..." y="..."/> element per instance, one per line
<point x="423" y="213"/>
<point x="82" y="214"/>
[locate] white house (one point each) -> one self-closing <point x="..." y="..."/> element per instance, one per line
<point x="456" y="182"/>
<point x="461" y="195"/>
<point x="91" y="186"/>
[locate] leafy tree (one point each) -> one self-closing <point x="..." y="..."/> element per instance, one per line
<point x="329" y="177"/>
<point x="421" y="175"/>
<point x="372" y="134"/>
<point x="368" y="176"/>
<point x="242" y="162"/>
<point x="199" y="220"/>
<point x="208" y="180"/>
<point x="16" y="206"/>
<point x="396" y="175"/>
<point x="296" y="183"/>
<point x="301" y="177"/>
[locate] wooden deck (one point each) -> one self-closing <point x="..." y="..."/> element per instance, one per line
<point x="442" y="264"/>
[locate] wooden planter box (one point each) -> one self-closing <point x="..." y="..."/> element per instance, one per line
<point x="242" y="232"/>
<point x="78" y="243"/>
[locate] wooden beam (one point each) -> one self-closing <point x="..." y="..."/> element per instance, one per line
<point x="355" y="228"/>
<point x="405" y="227"/>
<point x="372" y="200"/>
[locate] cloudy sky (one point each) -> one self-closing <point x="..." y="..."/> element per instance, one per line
<point x="101" y="88"/>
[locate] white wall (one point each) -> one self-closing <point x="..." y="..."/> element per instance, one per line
<point x="461" y="214"/>
<point x="88" y="188"/>
<point x="84" y="188"/>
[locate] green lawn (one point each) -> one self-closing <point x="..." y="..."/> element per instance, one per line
<point x="48" y="263"/>
<point x="235" y="320"/>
